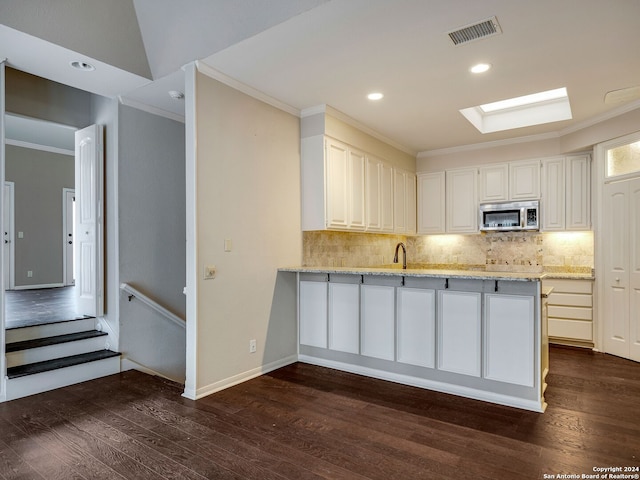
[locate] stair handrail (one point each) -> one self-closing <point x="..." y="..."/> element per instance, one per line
<point x="134" y="293"/>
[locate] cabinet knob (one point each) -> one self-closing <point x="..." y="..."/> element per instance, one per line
<point x="617" y="279"/>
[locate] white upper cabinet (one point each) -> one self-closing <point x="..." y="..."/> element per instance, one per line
<point x="553" y="194"/>
<point x="461" y="203"/>
<point x="404" y="202"/>
<point x="355" y="190"/>
<point x="494" y="183"/>
<point x="379" y="196"/>
<point x="431" y="203"/>
<point x="509" y="181"/>
<point x="524" y="180"/>
<point x="578" y="200"/>
<point x="344" y="188"/>
<point x="566" y="193"/>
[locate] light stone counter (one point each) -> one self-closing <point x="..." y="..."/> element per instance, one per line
<point x="419" y="272"/>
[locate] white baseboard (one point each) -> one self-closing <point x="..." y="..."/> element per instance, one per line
<point x="128" y="364"/>
<point x="239" y="378"/>
<point x="461" y="391"/>
<point x="36" y="287"/>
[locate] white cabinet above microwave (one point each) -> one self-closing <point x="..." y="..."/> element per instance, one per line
<point x="509" y="181"/>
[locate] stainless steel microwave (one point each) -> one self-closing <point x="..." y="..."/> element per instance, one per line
<point x="510" y="216"/>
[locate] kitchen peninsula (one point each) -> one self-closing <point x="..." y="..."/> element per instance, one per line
<point x="475" y="334"/>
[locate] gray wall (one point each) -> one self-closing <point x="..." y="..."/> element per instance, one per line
<point x="39" y="178"/>
<point x="151" y="211"/>
<point x="37" y="97"/>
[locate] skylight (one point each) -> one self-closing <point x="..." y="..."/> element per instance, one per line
<point x="535" y="109"/>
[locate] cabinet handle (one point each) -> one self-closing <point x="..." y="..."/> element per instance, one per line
<point x="617" y="279"/>
<point x="496" y="287"/>
<point x="446" y="283"/>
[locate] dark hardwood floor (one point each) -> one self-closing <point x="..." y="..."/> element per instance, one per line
<point x="24" y="308"/>
<point x="306" y="422"/>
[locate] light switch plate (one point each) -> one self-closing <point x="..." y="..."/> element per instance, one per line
<point x="227" y="244"/>
<point x="209" y="272"/>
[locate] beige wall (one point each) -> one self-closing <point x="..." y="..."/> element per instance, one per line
<point x="248" y="191"/>
<point x="579" y="141"/>
<point x="328" y="124"/>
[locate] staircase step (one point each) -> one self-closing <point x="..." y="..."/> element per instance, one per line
<point x="55" y="340"/>
<point x="58" y="363"/>
<point x="37" y="378"/>
<point x="19" y="334"/>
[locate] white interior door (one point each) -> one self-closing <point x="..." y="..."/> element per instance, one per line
<point x="622" y="268"/>
<point x="89" y="221"/>
<point x="68" y="235"/>
<point x="9" y="244"/>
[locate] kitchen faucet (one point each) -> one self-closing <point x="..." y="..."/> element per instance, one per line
<point x="404" y="255"/>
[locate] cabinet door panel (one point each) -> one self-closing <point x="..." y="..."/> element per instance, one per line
<point x="356" y="190"/>
<point x="399" y="202"/>
<point x="431" y="203"/>
<point x="509" y="339"/>
<point x="373" y="186"/>
<point x="411" y="203"/>
<point x="524" y="180"/>
<point x="462" y="202"/>
<point x="313" y="314"/>
<point x="553" y="194"/>
<point x="378" y="321"/>
<point x="416" y="326"/>
<point x="494" y="183"/>
<point x="344" y="317"/>
<point x="386" y="197"/>
<point x="578" y="193"/>
<point x="459" y="327"/>
<point x="337" y="185"/>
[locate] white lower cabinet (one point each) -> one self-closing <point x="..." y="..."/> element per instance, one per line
<point x="416" y="326"/>
<point x="478" y="338"/>
<point x="459" y="326"/>
<point x="509" y="339"/>
<point x="378" y="321"/>
<point x="313" y="313"/>
<point x="344" y="317"/>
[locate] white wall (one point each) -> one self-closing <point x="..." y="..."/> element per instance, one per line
<point x="246" y="174"/>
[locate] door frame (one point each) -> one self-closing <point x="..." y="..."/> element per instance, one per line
<point x="597" y="209"/>
<point x="65" y="215"/>
<point x="12" y="237"/>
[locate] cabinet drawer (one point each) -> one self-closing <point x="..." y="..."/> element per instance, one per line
<point x="569" y="286"/>
<point x="573" y="329"/>
<point x="571" y="299"/>
<point x="573" y="313"/>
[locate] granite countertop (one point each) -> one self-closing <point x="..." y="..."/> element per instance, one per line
<point x="570" y="276"/>
<point x="421" y="272"/>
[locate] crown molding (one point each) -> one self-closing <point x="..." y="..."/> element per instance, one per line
<point x="244" y="88"/>
<point x="534" y="138"/>
<point x="485" y="145"/>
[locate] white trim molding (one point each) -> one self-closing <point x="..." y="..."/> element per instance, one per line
<point x="239" y="378"/>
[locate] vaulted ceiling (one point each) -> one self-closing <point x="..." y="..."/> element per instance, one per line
<point x="306" y="53"/>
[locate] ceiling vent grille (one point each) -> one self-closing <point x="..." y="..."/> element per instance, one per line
<point x="476" y="31"/>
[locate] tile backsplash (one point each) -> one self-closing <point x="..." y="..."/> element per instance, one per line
<point x="563" y="252"/>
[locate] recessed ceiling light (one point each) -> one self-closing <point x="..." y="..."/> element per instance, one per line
<point x="480" y="68"/>
<point x="375" y="96"/>
<point x="176" y="95"/>
<point x="84" y="66"/>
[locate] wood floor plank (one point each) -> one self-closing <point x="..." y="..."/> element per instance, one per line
<point x="307" y="422"/>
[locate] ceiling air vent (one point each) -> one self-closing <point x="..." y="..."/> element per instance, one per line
<point x="476" y="31"/>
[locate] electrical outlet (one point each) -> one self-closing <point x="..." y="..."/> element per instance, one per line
<point x="29" y="273"/>
<point x="252" y="346"/>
